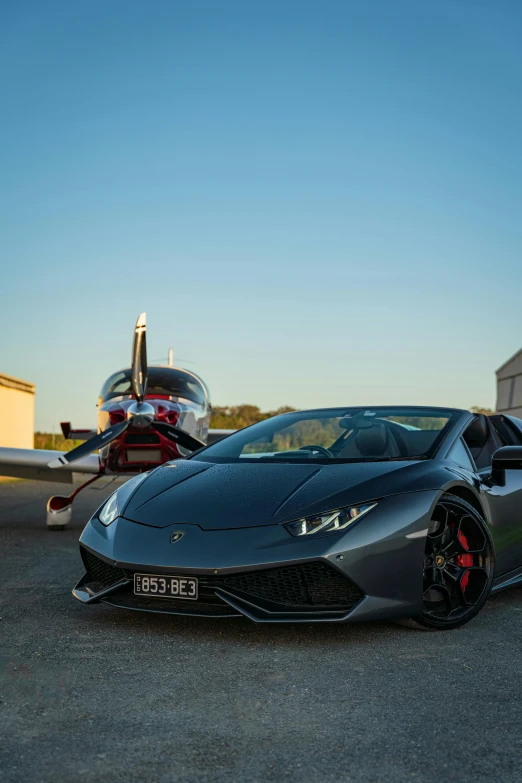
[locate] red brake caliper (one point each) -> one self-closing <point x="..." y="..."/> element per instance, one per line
<point x="464" y="560"/>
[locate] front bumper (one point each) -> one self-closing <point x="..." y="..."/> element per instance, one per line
<point x="372" y="571"/>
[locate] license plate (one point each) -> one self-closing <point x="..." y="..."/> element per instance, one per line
<point x="166" y="586"/>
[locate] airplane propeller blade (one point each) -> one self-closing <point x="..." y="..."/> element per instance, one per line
<point x="178" y="436"/>
<point x="93" y="444"/>
<point x="139" y="375"/>
<point x="139" y="370"/>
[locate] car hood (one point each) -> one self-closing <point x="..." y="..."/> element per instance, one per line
<point x="224" y="496"/>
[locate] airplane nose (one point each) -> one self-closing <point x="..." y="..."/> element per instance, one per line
<point x="142" y="415"/>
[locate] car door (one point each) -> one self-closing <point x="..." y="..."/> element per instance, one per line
<point x="504" y="503"/>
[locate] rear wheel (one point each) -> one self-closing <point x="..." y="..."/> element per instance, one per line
<point x="458" y="567"/>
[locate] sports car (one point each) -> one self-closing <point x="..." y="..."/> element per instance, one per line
<point x="334" y="515"/>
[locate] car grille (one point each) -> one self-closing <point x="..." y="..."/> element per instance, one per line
<point x="304" y="586"/>
<point x="307" y="585"/>
<point x="101" y="572"/>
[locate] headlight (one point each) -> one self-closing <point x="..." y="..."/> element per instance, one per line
<point x="110" y="510"/>
<point x="118" y="500"/>
<point x="339" y="519"/>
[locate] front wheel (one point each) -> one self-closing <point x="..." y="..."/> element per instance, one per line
<point x="458" y="567"/>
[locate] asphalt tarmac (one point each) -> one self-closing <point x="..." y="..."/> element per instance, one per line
<point x="105" y="695"/>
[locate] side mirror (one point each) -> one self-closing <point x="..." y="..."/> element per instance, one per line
<point x="506" y="458"/>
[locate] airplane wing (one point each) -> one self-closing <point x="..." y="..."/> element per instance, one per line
<point x="33" y="464"/>
<point x="215" y="435"/>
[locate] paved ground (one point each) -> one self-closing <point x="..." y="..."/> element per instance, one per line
<point x="97" y="694"/>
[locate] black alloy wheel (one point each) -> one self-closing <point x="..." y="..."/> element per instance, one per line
<point x="458" y="566"/>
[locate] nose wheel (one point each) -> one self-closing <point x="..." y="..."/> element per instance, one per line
<point x="59" y="507"/>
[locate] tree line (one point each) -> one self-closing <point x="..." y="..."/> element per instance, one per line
<point x="223" y="418"/>
<point x="232" y="417"/>
<point x="238" y="416"/>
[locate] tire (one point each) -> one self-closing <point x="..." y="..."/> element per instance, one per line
<point x="459" y="567"/>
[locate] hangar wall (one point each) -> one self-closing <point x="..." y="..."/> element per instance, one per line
<point x="16" y="413"/>
<point x="509" y="386"/>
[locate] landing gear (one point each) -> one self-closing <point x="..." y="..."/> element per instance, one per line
<point x="458" y="567"/>
<point x="59" y="507"/>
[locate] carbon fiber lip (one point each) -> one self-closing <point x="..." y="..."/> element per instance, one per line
<point x="221" y="610"/>
<point x="260" y="615"/>
<point x="87" y="596"/>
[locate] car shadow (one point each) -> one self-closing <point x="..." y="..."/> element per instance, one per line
<point x="238" y="631"/>
<point x="511" y="597"/>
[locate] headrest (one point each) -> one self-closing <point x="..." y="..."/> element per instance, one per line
<point x="477" y="434"/>
<point x="372" y="442"/>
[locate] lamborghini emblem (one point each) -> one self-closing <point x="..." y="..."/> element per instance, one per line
<point x="175" y="537"/>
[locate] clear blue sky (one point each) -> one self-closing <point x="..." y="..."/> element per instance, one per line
<point x="317" y="202"/>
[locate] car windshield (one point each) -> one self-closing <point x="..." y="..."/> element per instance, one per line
<point x="162" y="381"/>
<point x="340" y="435"/>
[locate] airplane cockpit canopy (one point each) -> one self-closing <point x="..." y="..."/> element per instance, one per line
<point x="162" y="381"/>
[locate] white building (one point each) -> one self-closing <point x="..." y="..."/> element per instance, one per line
<point x="509" y="386"/>
<point x="16" y="413"/>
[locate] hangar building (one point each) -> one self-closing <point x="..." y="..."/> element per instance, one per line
<point x="509" y="386"/>
<point x="16" y="413"/>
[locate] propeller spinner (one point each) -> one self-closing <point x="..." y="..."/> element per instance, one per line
<point x="141" y="414"/>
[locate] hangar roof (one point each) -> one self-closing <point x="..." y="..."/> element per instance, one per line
<point x="16" y="383"/>
<point x="513" y="366"/>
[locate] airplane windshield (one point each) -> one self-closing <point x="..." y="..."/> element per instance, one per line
<point x="169" y="381"/>
<point x="341" y="435"/>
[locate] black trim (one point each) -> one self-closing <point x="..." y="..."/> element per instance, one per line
<point x="313" y="588"/>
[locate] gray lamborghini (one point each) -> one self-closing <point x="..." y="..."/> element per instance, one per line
<point x="335" y="515"/>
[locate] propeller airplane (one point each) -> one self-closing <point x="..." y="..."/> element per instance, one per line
<point x="147" y="415"/>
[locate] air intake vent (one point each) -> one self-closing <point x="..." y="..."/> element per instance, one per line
<point x="307" y="586"/>
<point x="101" y="572"/>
